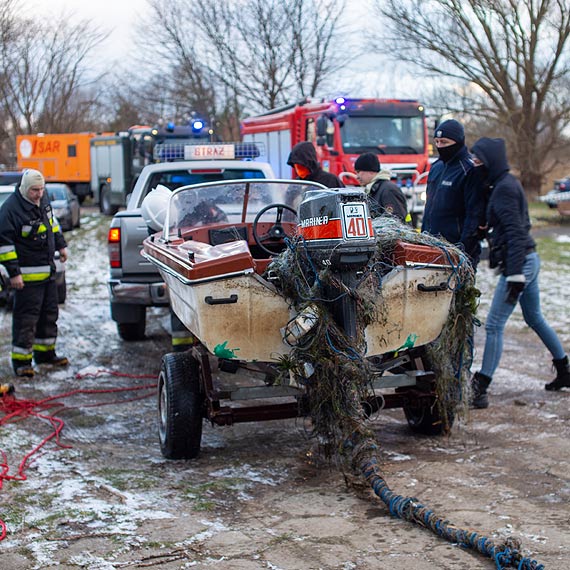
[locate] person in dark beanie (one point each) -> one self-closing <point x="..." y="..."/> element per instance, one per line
<point x="29" y="238"/>
<point x="303" y="159"/>
<point x="384" y="197"/>
<point x="512" y="252"/>
<point x="455" y="203"/>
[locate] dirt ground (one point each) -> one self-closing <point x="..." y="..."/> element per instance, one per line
<point x="258" y="497"/>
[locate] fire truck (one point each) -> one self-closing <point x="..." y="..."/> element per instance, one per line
<point x="106" y="166"/>
<point x="341" y="130"/>
<point x="60" y="157"/>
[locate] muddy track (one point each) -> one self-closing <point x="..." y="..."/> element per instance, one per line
<point x="258" y="497"/>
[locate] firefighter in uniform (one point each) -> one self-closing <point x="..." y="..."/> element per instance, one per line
<point x="29" y="238"/>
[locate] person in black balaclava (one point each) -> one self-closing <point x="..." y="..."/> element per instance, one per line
<point x="513" y="254"/>
<point x="456" y="192"/>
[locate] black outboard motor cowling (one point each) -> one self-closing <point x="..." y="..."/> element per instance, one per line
<point x="337" y="231"/>
<point x="337" y="227"/>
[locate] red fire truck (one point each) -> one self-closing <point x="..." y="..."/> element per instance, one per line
<point x="341" y="130"/>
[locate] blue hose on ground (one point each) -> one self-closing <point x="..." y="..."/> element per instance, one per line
<point x="504" y="555"/>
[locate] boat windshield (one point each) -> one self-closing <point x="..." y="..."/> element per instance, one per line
<point x="232" y="202"/>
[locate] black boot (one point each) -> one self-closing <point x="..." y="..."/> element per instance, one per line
<point x="562" y="379"/>
<point x="50" y="357"/>
<point x="479" y="385"/>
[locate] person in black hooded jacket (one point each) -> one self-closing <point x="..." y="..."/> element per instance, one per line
<point x="303" y="159"/>
<point x="455" y="204"/>
<point x="512" y="252"/>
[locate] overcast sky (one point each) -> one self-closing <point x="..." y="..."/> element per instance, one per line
<point x="116" y="16"/>
<point x="366" y="77"/>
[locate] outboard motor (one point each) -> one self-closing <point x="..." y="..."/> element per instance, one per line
<point x="337" y="229"/>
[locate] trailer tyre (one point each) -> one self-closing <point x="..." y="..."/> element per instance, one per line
<point x="105" y="202"/>
<point x="428" y="420"/>
<point x="180" y="406"/>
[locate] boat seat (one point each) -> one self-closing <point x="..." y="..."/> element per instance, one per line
<point x="218" y="236"/>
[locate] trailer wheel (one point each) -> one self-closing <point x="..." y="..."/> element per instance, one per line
<point x="428" y="420"/>
<point x="105" y="202"/>
<point x="180" y="406"/>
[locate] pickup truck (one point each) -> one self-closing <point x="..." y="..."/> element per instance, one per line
<point x="134" y="283"/>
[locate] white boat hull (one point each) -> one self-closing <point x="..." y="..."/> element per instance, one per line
<point x="251" y="326"/>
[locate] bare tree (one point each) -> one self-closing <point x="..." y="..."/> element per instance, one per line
<point x="509" y="58"/>
<point x="270" y="52"/>
<point x="227" y="55"/>
<point x="43" y="67"/>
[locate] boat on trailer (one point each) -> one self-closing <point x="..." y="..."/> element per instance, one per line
<point x="215" y="253"/>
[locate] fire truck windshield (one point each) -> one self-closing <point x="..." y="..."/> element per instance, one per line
<point x="384" y="135"/>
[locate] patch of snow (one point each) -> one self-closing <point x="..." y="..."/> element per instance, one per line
<point x="246" y="472"/>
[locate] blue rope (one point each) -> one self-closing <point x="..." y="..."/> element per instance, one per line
<point x="408" y="508"/>
<point x="355" y="356"/>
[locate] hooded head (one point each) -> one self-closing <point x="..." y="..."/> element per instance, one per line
<point x="493" y="154"/>
<point x="449" y="137"/>
<point x="32" y="186"/>
<point x="304" y="154"/>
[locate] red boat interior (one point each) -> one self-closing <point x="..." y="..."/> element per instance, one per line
<point x="217" y="249"/>
<point x="220" y="249"/>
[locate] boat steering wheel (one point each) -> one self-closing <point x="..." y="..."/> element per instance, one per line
<point x="276" y="231"/>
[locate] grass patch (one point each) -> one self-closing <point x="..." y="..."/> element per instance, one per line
<point x="204" y="496"/>
<point x="553" y="251"/>
<point x="541" y="215"/>
<point x="126" y="479"/>
<point x="88" y="421"/>
<point x="282" y="538"/>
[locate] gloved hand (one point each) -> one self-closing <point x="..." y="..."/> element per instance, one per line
<point x="514" y="289"/>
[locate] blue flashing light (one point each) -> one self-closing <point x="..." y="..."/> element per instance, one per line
<point x="197" y="125"/>
<point x="340" y="100"/>
<point x="247" y="151"/>
<point x="170" y="126"/>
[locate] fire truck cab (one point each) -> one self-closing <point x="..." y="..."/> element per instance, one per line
<point x="343" y="129"/>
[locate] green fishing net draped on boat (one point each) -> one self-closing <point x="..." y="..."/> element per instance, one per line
<point x="332" y="366"/>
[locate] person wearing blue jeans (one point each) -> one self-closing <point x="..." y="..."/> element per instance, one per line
<point x="512" y="253"/>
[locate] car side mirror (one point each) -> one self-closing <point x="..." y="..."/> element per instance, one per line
<point x="322" y="124"/>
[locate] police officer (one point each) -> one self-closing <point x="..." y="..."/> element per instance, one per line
<point x="29" y="238"/>
<point x="456" y="193"/>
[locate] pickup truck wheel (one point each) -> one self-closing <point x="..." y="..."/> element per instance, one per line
<point x="105" y="202"/>
<point x="132" y="331"/>
<point x="180" y="406"/>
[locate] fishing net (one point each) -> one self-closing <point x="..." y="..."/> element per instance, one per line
<point x="336" y="374"/>
<point x="331" y="365"/>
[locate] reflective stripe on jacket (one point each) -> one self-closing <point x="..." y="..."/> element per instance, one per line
<point x="29" y="237"/>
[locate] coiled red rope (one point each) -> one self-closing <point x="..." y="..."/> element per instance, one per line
<point x="16" y="409"/>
